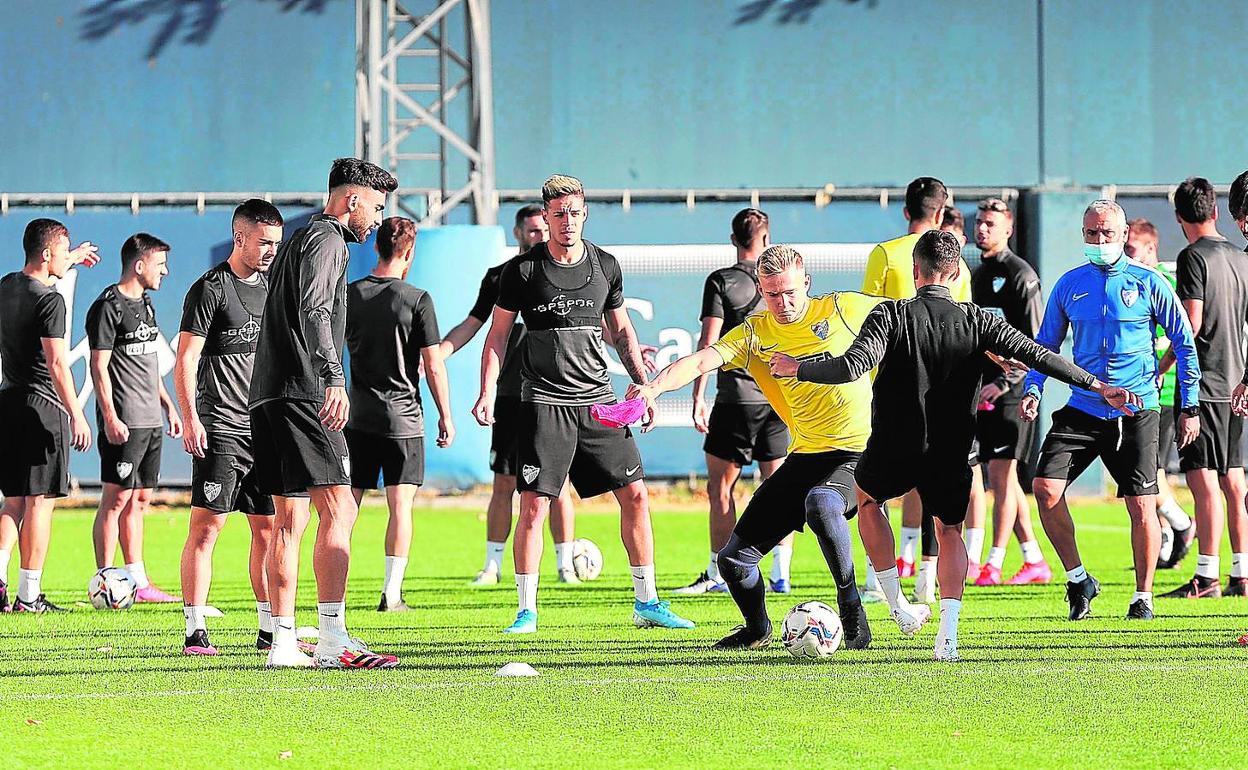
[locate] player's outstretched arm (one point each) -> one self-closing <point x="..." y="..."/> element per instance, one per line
<point x="440" y="387"/>
<point x="185" y="372"/>
<point x="492" y="363"/>
<point x="864" y="353"/>
<point x="675" y="375"/>
<point x="56" y="353"/>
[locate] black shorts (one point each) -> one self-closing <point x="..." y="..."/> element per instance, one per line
<point x="224" y="479"/>
<point x="34" y="446"/>
<point x="134" y="464"/>
<point x="294" y="451"/>
<point x="1003" y="434"/>
<point x="743" y="433"/>
<point x="558" y="443"/>
<point x="1127" y="446"/>
<point x="395" y="460"/>
<point x="941" y="477"/>
<point x="778" y="506"/>
<point x="1165" y="436"/>
<point x="503" y="435"/>
<point x="1218" y="446"/>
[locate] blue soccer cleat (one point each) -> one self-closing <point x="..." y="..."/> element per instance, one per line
<point x="525" y="623"/>
<point x="657" y="613"/>
<point x="780" y="587"/>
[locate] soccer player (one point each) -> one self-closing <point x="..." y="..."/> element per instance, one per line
<point x="1112" y="305"/>
<point x="216" y="353"/>
<point x="563" y="289"/>
<point x="299" y="406"/>
<point x="38" y="406"/>
<point x="929" y="351"/>
<point x="391" y="329"/>
<point x="1212" y="278"/>
<point x="129" y="398"/>
<point x="1005" y="285"/>
<point x="828" y="428"/>
<point x="1177" y="531"/>
<point x="529" y="230"/>
<point x="1238" y="204"/>
<point x="742" y="426"/>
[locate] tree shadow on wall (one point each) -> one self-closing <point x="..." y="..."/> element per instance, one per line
<point x="786" y="11"/>
<point x="190" y="22"/>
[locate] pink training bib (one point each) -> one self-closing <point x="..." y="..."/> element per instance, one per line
<point x="619" y="415"/>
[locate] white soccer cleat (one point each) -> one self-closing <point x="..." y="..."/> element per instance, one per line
<point x="946" y="650"/>
<point x="288" y="659"/>
<point x="911" y="617"/>
<point x="485" y="578"/>
<point x="569" y="576"/>
<point x="872" y="596"/>
<point x="924" y="592"/>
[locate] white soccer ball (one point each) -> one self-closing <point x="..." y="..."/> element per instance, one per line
<point x="112" y="588"/>
<point x="586" y="559"/>
<point x="812" y="630"/>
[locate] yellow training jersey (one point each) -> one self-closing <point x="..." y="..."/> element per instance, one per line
<point x="890" y="271"/>
<point x="820" y="417"/>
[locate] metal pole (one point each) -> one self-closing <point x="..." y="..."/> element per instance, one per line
<point x="372" y="147"/>
<point x="484" y="204"/>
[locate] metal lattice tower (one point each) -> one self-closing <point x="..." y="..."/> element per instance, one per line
<point x="425" y="104"/>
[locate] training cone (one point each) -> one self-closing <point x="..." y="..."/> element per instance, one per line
<point x="516" y="669"/>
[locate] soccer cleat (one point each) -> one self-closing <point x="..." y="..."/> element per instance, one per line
<point x="1243" y="640"/>
<point x="857" y="629"/>
<point x="702" y="584"/>
<point x="924" y="591"/>
<point x="399" y="606"/>
<point x="38" y="605"/>
<point x="779" y="586"/>
<point x="485" y="577"/>
<point x="1236" y="586"/>
<point x="264" y="643"/>
<point x="198" y="644"/>
<point x="872" y="596"/>
<point x="946" y="650"/>
<point x="1080" y="596"/>
<point x="742" y="638"/>
<point x="150" y="594"/>
<point x="1032" y="574"/>
<point x="905" y="568"/>
<point x="989" y="575"/>
<point x="1196" y="588"/>
<point x="1183" y="540"/>
<point x="569" y="576"/>
<point x="4" y="596"/>
<point x="657" y="613"/>
<point x="288" y="659"/>
<point x="354" y="655"/>
<point x="1139" y="610"/>
<point x="525" y="623"/>
<point x="910" y="618"/>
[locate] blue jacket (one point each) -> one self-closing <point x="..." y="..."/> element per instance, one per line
<point x="1113" y="312"/>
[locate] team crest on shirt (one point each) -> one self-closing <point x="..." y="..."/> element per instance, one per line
<point x="211" y="490"/>
<point x="998" y="283"/>
<point x="123" y="469"/>
<point x="820" y="329"/>
<point x="1130" y="295"/>
<point x="529" y="472"/>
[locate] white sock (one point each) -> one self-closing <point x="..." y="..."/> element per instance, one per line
<point x="332" y="617"/>
<point x="996" y="556"/>
<point x="1208" y="566"/>
<point x="949" y="611"/>
<point x="4" y="566"/>
<point x="526" y="591"/>
<point x="194" y="619"/>
<point x="139" y="573"/>
<point x="392" y="588"/>
<point x="712" y="568"/>
<point x="1032" y="553"/>
<point x="644" y="587"/>
<point x="563" y="557"/>
<point x="284" y="639"/>
<point x="909" y="542"/>
<point x="1167" y="543"/>
<point x="28" y="584"/>
<point x="781" y="558"/>
<point x="1147" y="596"/>
<point x="264" y="616"/>
<point x="1239" y="565"/>
<point x="891" y="585"/>
<point x="1077" y="575"/>
<point x="926" y="575"/>
<point x="1172" y="513"/>
<point x="975" y="544"/>
<point x="873" y="582"/>
<point x="494" y="556"/>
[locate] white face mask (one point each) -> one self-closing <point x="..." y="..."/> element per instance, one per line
<point x="1102" y="254"/>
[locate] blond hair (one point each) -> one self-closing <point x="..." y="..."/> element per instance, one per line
<point x="559" y="186"/>
<point x="776" y="259"/>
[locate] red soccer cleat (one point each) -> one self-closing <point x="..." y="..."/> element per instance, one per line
<point x="905" y="568"/>
<point x="153" y="595"/>
<point x="1032" y="574"/>
<point x="989" y="576"/>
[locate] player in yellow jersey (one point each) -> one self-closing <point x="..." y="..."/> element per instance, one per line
<point x="828" y="429"/>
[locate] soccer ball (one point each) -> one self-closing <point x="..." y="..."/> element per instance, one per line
<point x="586" y="559"/>
<point x="812" y="630"/>
<point x="112" y="588"/>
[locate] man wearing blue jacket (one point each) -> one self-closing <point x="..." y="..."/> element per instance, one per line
<point x="1112" y="305"/>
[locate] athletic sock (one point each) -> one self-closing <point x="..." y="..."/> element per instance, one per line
<point x="975" y="544"/>
<point x="333" y="623"/>
<point x="194" y="616"/>
<point x="926" y="575"/>
<point x="712" y="568"/>
<point x="873" y="582"/>
<point x="781" y="558"/>
<point x="4" y="566"/>
<point x="909" y="541"/>
<point x="392" y="587"/>
<point x="494" y="556"/>
<point x="1239" y="565"/>
<point x="745" y="583"/>
<point x="1208" y="567"/>
<point x="563" y="557"/>
<point x="1172" y="513"/>
<point x="644" y="588"/>
<point x="28" y="584"/>
<point x="1032" y="553"/>
<point x="996" y="557"/>
<point x="949" y="611"/>
<point x="526" y="591"/>
<point x="284" y="639"/>
<point x="264" y="616"/>
<point x="1147" y="596"/>
<point x="1167" y="543"/>
<point x="1077" y="575"/>
<point x="825" y="515"/>
<point x="139" y="573"/>
<point x="890" y="584"/>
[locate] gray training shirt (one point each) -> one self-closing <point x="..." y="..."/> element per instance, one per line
<point x="128" y="328"/>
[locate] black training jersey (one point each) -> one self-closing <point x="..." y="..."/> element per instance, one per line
<point x="928" y="351"/>
<point x="128" y="328"/>
<point x="1008" y="287"/>
<point x="1215" y="272"/>
<point x="562" y="307"/>
<point x="483" y="310"/>
<point x="30" y="311"/>
<point x="226" y="311"/>
<point x="299" y="353"/>
<point x="388" y="322"/>
<point x="732" y="293"/>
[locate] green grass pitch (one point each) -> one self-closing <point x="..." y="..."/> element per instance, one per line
<point x="111" y="689"/>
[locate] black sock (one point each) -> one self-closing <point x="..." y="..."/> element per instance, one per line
<point x="825" y="514"/>
<point x="738" y="564"/>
